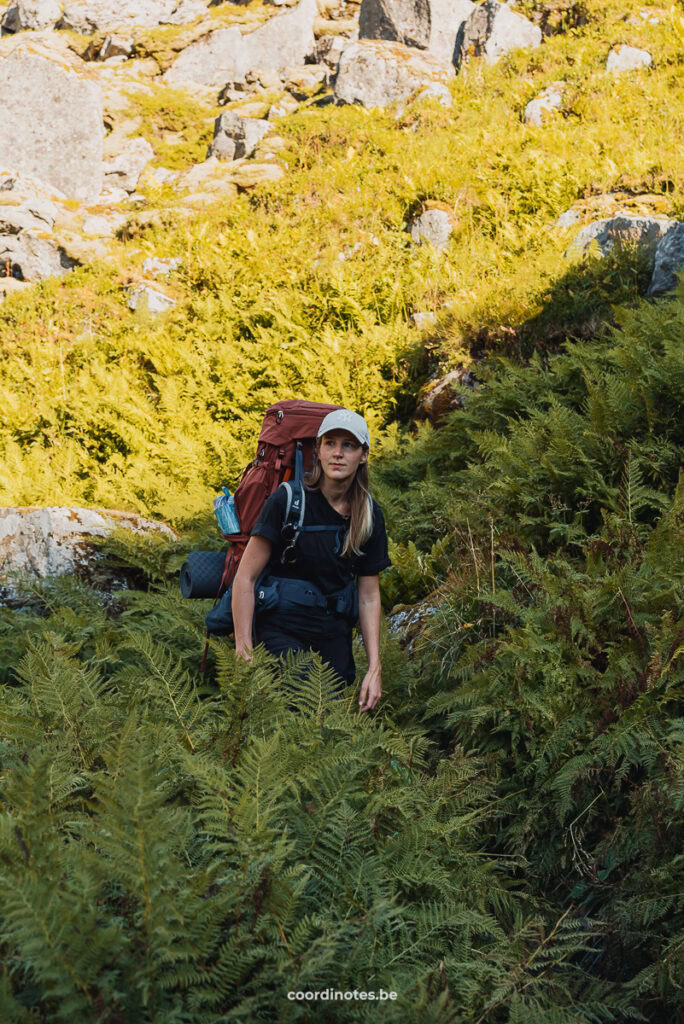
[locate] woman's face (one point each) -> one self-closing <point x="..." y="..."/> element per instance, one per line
<point x="340" y="455"/>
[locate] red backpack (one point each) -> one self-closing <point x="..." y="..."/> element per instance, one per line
<point x="289" y="427"/>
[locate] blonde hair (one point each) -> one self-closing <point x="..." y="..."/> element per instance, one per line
<point x="360" y="504"/>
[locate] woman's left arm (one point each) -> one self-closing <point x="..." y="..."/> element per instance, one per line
<point x="369" y="619"/>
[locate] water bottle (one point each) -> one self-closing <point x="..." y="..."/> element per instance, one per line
<point x="226" y="513"/>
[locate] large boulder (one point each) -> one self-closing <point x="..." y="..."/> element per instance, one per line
<point x="431" y="25"/>
<point x="39" y="543"/>
<point x="623" y="230"/>
<point x="236" y="137"/>
<point x="31" y="14"/>
<point x="669" y="261"/>
<point x="226" y="55"/>
<point x="51" y="125"/>
<point x="89" y="16"/>
<point x="375" y="73"/>
<point x="492" y="30"/>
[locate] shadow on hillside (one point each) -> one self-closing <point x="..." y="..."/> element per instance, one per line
<point x="578" y="305"/>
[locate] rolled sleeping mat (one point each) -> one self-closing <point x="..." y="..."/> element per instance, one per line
<point x="201" y="574"/>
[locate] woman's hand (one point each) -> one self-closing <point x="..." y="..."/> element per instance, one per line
<point x="244" y="652"/>
<point x="371" y="689"/>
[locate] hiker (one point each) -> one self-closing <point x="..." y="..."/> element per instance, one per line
<point x="342" y="537"/>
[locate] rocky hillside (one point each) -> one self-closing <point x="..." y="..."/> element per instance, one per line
<point x="466" y="220"/>
<point x="208" y="206"/>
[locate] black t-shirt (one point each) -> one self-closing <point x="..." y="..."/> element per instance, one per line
<point x="317" y="554"/>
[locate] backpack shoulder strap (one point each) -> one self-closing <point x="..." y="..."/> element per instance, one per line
<point x="295" y="507"/>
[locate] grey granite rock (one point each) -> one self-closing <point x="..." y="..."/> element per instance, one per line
<point x="51" y="125"/>
<point x="492" y="30"/>
<point x="669" y="261"/>
<point x="42" y="543"/>
<point x="146" y="297"/>
<point x="32" y="257"/>
<point x="404" y="21"/>
<point x="434" y="226"/>
<point x="544" y="106"/>
<point x="622" y="230"/>
<point x="627" y="58"/>
<point x="375" y="73"/>
<point x="236" y="137"/>
<point x="31" y="14"/>
<point x="226" y="55"/>
<point x="431" y="25"/>
<point x="124" y="170"/>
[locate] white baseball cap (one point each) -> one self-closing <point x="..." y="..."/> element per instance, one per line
<point x="345" y="419"/>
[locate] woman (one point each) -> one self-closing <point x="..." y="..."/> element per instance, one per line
<point x="343" y="538"/>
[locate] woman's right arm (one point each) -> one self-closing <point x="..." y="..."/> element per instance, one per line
<point x="252" y="564"/>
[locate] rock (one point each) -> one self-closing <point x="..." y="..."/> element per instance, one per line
<point x="51" y="125"/>
<point x="669" y="261"/>
<point x="103" y="225"/>
<point x="328" y="50"/>
<point x="115" y="46"/>
<point x="227" y="55"/>
<point x="432" y="25"/>
<point x="250" y="175"/>
<point x="434" y="225"/>
<point x="89" y="16"/>
<point x="375" y="73"/>
<point x="305" y="81"/>
<point x="283" y="107"/>
<point x="236" y="137"/>
<point x="403" y="21"/>
<point x="443" y="396"/>
<point x="448" y="18"/>
<point x="252" y="108"/>
<point x="609" y="232"/>
<point x="267" y="79"/>
<point x="31" y="14"/>
<point x="422" y="320"/>
<point x="492" y="30"/>
<point x="567" y="219"/>
<point x="545" y="105"/>
<point x="646" y="17"/>
<point x="185" y="12"/>
<point x="41" y="543"/>
<point x="124" y="170"/>
<point x="109" y="196"/>
<point x="164" y="176"/>
<point x="436" y="91"/>
<point x="346" y="27"/>
<point x="408" y="622"/>
<point x="627" y="58"/>
<point x="200" y="174"/>
<point x="30" y="257"/>
<point x="153" y="266"/>
<point x="145" y="297"/>
<point x="31" y="214"/>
